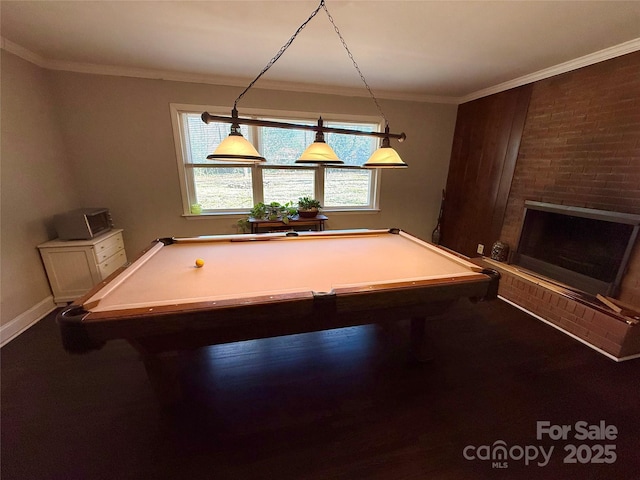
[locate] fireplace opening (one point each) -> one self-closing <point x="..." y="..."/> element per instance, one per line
<point x="584" y="248"/>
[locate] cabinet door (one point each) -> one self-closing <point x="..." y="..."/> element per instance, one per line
<point x="71" y="272"/>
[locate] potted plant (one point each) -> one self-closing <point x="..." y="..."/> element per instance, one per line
<point x="308" y="207"/>
<point x="273" y="211"/>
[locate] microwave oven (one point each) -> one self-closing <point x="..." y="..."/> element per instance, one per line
<point x="82" y="223"/>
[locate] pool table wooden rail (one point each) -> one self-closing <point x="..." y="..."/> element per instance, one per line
<point x="167" y="328"/>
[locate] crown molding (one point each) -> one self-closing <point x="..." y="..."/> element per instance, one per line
<point x="352" y="92"/>
<point x="590" y="59"/>
<point x="175" y="76"/>
<point x="22" y="52"/>
<point x="593" y="58"/>
<point x="239" y="82"/>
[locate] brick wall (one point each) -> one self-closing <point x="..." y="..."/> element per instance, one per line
<point x="581" y="147"/>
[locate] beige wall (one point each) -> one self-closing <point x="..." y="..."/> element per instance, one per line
<point x="118" y="138"/>
<point x="37" y="182"/>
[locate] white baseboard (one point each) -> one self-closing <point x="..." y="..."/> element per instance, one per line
<point x="23" y="321"/>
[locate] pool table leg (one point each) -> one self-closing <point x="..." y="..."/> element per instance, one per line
<point x="163" y="370"/>
<point x="421" y="347"/>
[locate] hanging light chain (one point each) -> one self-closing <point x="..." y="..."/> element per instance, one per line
<point x="290" y="41"/>
<point x="384" y="160"/>
<point x="280" y="52"/>
<point x="344" y="44"/>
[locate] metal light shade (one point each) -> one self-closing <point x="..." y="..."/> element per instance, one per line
<point x="236" y="148"/>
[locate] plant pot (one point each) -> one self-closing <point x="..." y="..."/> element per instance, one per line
<point x="307" y="213"/>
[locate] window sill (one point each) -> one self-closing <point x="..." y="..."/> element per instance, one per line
<point x="191" y="216"/>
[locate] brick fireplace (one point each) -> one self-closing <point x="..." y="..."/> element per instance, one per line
<point x="580" y="147"/>
<point x="614" y="334"/>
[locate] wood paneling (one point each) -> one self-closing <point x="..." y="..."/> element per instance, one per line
<point x="485" y="149"/>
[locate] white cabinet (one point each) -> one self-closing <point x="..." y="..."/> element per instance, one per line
<point x="75" y="266"/>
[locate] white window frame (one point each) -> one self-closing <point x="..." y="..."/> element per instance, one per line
<point x="185" y="172"/>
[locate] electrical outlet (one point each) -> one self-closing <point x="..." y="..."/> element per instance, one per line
<point x="480" y="249"/>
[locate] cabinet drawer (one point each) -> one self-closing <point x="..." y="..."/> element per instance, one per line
<point x="112" y="263"/>
<point x="108" y="248"/>
<point x="103" y="255"/>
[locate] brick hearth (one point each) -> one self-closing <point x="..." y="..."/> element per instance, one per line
<point x="609" y="332"/>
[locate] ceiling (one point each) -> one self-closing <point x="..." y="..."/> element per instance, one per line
<point x="448" y="51"/>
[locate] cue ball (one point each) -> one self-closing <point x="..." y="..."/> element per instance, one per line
<point x="199" y="262"/>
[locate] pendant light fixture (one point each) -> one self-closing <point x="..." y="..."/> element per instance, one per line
<point x="385" y="156"/>
<point x="235" y="148"/>
<point x="319" y="151"/>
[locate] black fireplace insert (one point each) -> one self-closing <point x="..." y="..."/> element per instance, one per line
<point x="584" y="248"/>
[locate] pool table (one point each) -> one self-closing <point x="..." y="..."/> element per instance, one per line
<point x="265" y="285"/>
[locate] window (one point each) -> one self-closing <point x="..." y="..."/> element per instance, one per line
<point x="222" y="187"/>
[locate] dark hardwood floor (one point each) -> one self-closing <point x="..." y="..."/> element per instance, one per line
<point x="342" y="404"/>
